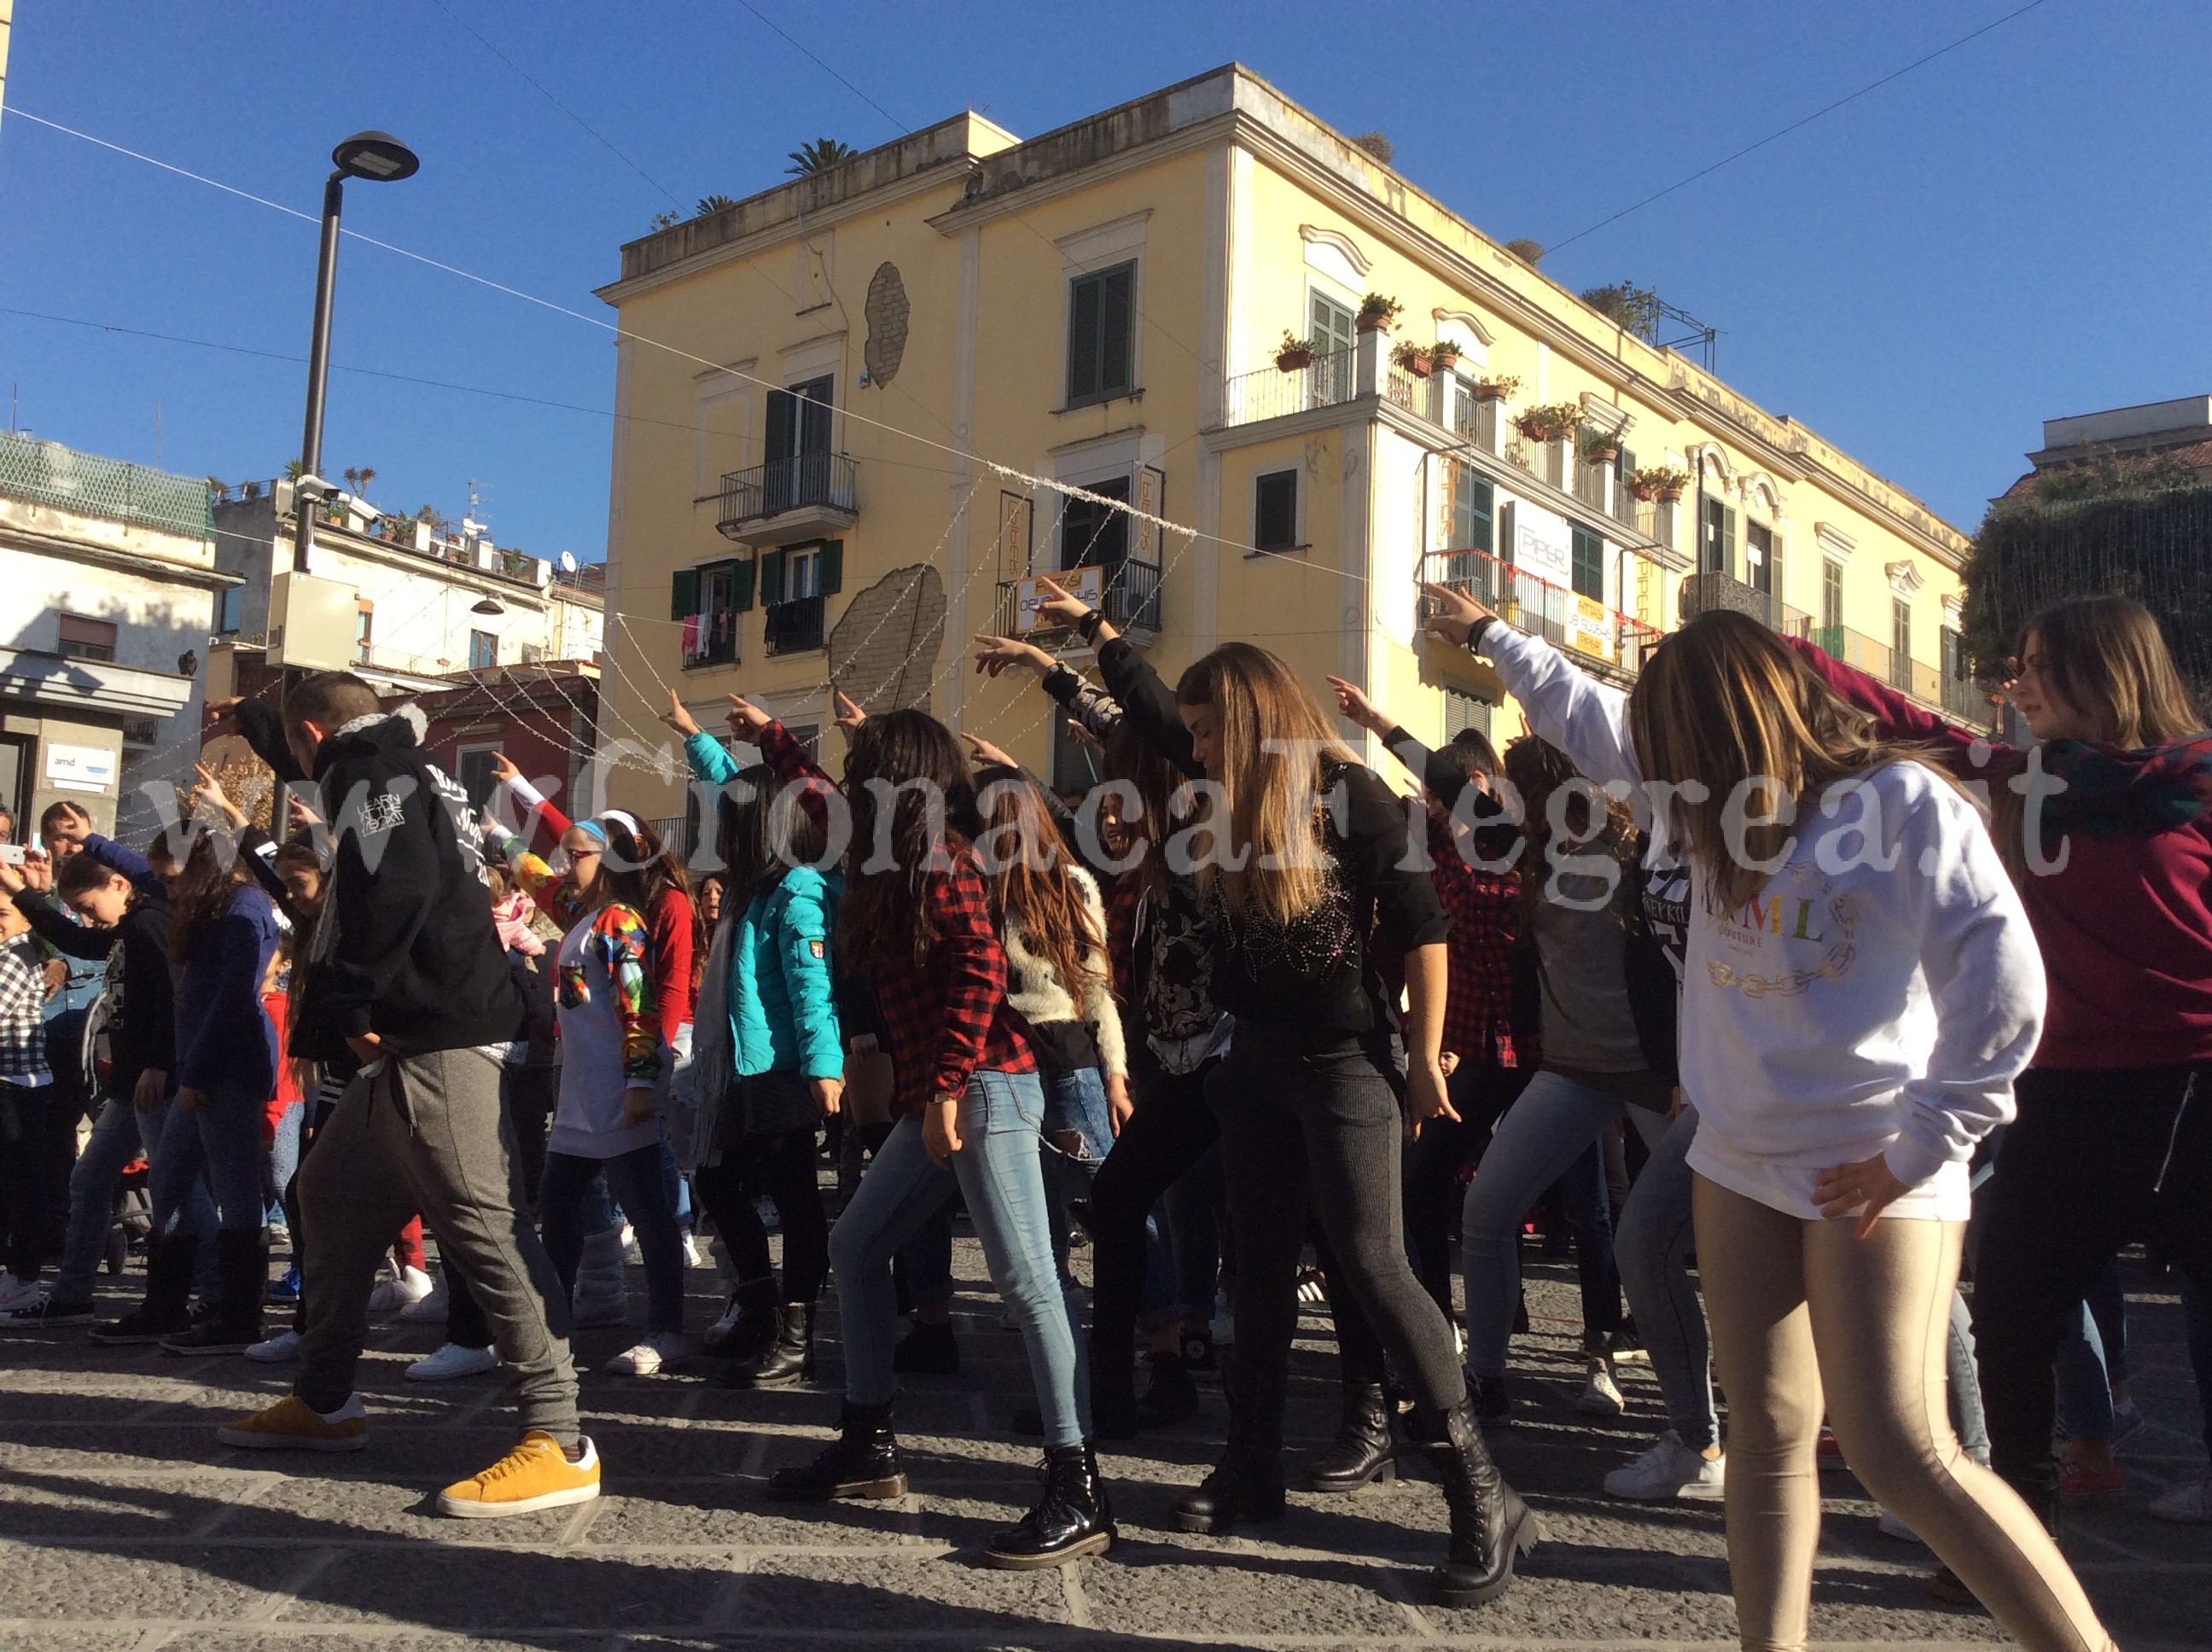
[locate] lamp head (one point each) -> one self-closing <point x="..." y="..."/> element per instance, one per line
<point x="376" y="157"/>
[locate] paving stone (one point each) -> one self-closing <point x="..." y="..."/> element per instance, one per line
<point x="111" y="1580"/>
<point x="858" y="1595"/>
<point x="1237" y="1593"/>
<point x="735" y="1513"/>
<point x="512" y="1590"/>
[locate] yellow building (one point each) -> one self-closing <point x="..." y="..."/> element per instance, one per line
<point x="831" y="394"/>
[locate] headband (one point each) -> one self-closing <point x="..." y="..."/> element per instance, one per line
<point x="627" y="822"/>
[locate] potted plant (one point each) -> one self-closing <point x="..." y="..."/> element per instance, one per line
<point x="1294" y="352"/>
<point x="1600" y="446"/>
<point x="1416" y="359"/>
<point x="1446" y="354"/>
<point x="1552" y="422"/>
<point x="1658" y="484"/>
<point x="1496" y="388"/>
<point x="1377" y="313"/>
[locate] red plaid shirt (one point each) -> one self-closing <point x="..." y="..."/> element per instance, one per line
<point x="1485" y="911"/>
<point x="949" y="1019"/>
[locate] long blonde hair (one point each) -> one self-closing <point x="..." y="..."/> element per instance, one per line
<point x="1268" y="859"/>
<point x="1723" y="702"/>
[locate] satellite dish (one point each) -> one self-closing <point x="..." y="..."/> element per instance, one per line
<point x="567" y="561"/>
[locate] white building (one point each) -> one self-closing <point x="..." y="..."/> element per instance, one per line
<point x="109" y="588"/>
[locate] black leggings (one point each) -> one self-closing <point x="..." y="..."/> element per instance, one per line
<point x="1481" y="1094"/>
<point x="784" y="1162"/>
<point x="1321" y="1135"/>
<point x="1168" y="1133"/>
<point x="2097" y="1158"/>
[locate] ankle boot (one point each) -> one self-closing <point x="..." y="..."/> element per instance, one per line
<point x="1114" y="1411"/>
<point x="1170" y="1397"/>
<point x="1490" y="1524"/>
<point x="166" y="1311"/>
<point x="1247" y="1484"/>
<point x="789" y="1360"/>
<point x="1072" y="1518"/>
<point x="242" y="1267"/>
<point x="862" y="1461"/>
<point x="1363" y="1449"/>
<point x="756" y="1326"/>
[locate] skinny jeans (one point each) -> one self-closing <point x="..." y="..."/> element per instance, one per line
<point x="1654" y="1243"/>
<point x="785" y="1163"/>
<point x="634" y="1178"/>
<point x="1168" y="1133"/>
<point x="1807" y="1312"/>
<point x="120" y="1134"/>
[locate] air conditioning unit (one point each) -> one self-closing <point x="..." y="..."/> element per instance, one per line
<point x="313" y="622"/>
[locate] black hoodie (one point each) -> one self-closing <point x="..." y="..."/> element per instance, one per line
<point x="405" y="947"/>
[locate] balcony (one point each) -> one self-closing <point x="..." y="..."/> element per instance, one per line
<point x="1130" y="600"/>
<point x="1270" y="393"/>
<point x="710" y="638"/>
<point x="794" y="627"/>
<point x="1703" y="593"/>
<point x="788" y="500"/>
<point x="1563" y="617"/>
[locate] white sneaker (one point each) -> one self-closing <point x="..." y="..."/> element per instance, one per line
<point x="632" y="1251"/>
<point x="722" y="1326"/>
<point x="280" y="1349"/>
<point x="403" y="1291"/>
<point x="661" y="1349"/>
<point x="1601" y="1395"/>
<point x="1669" y="1469"/>
<point x="1890" y="1525"/>
<point x="2190" y="1503"/>
<point x="452" y="1361"/>
<point x="16" y="1294"/>
<point x="430" y="1310"/>
<point x="690" y="1251"/>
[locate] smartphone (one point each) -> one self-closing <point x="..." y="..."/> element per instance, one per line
<point x="12" y="853"/>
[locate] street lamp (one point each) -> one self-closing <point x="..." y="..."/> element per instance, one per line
<point x="375" y="158"/>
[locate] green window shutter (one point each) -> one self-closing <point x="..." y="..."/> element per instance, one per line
<point x="1117" y="307"/>
<point x="741" y="587"/>
<point x="771" y="577"/>
<point x="1728" y="539"/>
<point x="1083" y="302"/>
<point x="830" y="571"/>
<point x="683" y="594"/>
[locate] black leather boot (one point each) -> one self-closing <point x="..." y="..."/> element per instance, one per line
<point x="242" y="1275"/>
<point x="862" y="1461"/>
<point x="756" y="1326"/>
<point x="789" y="1360"/>
<point x="1073" y="1518"/>
<point x="167" y="1310"/>
<point x="1363" y="1449"/>
<point x="1490" y="1524"/>
<point x="1247" y="1484"/>
<point x="1170" y="1397"/>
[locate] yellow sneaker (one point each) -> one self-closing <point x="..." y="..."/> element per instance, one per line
<point x="537" y="1474"/>
<point x="291" y="1425"/>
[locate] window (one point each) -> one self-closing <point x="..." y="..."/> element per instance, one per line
<point x="1717" y="553"/>
<point x="792" y="584"/>
<point x="1759" y="556"/>
<point x="1275" y="511"/>
<point x="87" y="639"/>
<point x="1474" y="422"/>
<point x="1832" y="599"/>
<point x="707" y="601"/>
<point x="1074" y="768"/>
<point x="484" y="650"/>
<point x="1588" y="565"/>
<point x="1101" y="334"/>
<point x="1330" y="327"/>
<point x="1900" y="642"/>
<point x="1623" y="501"/>
<point x="797" y="446"/>
<point x="1463" y="712"/>
<point x="472" y="768"/>
<point x="364" y="624"/>
<point x="1952" y="655"/>
<point x="230" y="611"/>
<point x="1093" y="535"/>
<point x="1590" y="482"/>
<point x="1474" y="512"/>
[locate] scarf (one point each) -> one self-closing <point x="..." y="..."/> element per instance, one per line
<point x="2109" y="791"/>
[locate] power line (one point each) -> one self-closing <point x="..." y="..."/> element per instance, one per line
<point x="602" y="138"/>
<point x="1825" y="109"/>
<point x="902" y="126"/>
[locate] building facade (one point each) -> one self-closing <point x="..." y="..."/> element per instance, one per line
<point x="2176" y="434"/>
<point x="112" y="584"/>
<point x="845" y="400"/>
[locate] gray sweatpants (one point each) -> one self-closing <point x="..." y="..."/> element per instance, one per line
<point x="427" y="1134"/>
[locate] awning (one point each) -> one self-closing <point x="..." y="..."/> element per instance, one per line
<point x="96" y="685"/>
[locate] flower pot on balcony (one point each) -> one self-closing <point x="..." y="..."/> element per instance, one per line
<point x="1602" y="453"/>
<point x="1495" y="390"/>
<point x="1294" y="361"/>
<point x="1419" y="363"/>
<point x="1377" y="313"/>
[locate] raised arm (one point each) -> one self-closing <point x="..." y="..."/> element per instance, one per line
<point x="1895" y="717"/>
<point x="539" y="881"/>
<point x="1443" y="782"/>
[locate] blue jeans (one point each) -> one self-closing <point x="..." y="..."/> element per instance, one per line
<point x="2092" y="1356"/>
<point x="998" y="1169"/>
<point x="634" y="1178"/>
<point x="1653" y="1247"/>
<point x="222" y="1142"/>
<point x="283" y="1161"/>
<point x="1555" y="1122"/>
<point x="1079" y="1133"/>
<point x="115" y="1141"/>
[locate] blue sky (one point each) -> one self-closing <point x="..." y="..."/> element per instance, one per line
<point x="2013" y="232"/>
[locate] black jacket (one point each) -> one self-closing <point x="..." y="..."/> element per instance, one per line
<point x="406" y="947"/>
<point x="141" y="1018"/>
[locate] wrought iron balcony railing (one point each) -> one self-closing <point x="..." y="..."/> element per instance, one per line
<point x="823" y="485"/>
<point x="1529" y="602"/>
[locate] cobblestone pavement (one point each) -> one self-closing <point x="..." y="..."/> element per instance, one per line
<point x="125" y="1524"/>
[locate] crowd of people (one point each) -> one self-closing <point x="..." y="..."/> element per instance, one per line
<point x="1789" y="1005"/>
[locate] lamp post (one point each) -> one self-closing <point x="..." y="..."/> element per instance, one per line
<point x="376" y="158"/>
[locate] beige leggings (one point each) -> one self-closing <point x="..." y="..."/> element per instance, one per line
<point x="1806" y="1311"/>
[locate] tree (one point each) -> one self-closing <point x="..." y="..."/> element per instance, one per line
<point x="665" y="220"/>
<point x="1529" y="252"/>
<point x="710" y="205"/>
<point x="820" y="155"/>
<point x="1628" y="306"/>
<point x="431" y="518"/>
<point x="293" y="470"/>
<point x="1378" y="145"/>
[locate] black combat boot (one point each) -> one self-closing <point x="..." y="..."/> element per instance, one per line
<point x="1490" y="1524"/>
<point x="862" y="1461"/>
<point x="789" y="1360"/>
<point x="1073" y="1518"/>
<point x="1363" y="1449"/>
<point x="1247" y="1484"/>
<point x="1170" y="1397"/>
<point x="755" y="1330"/>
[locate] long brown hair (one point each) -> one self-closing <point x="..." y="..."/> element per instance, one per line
<point x="663" y="874"/>
<point x="214" y="872"/>
<point x="884" y="922"/>
<point x="1724" y="703"/>
<point x="2107" y="657"/>
<point x="1133" y="758"/>
<point x="1032" y="883"/>
<point x="1537" y="769"/>
<point x="1269" y="857"/>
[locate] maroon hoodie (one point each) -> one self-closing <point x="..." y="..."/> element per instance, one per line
<point x="2125" y="929"/>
